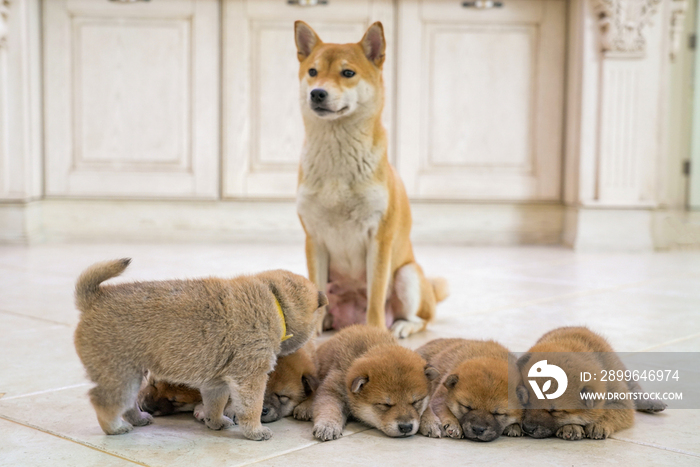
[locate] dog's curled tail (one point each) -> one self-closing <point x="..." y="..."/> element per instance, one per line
<point x="441" y="288"/>
<point x="88" y="284"/>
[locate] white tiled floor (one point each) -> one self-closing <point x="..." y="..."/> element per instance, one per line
<point x="638" y="301"/>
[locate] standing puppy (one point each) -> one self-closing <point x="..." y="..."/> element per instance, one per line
<point x="221" y="336"/>
<point x="472" y="400"/>
<point x="365" y="373"/>
<point x="351" y="203"/>
<point x="571" y="415"/>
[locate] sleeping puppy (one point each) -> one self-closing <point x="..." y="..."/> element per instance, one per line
<point x="472" y="397"/>
<point x="570" y="415"/>
<point x="366" y="374"/>
<point x="221" y="336"/>
<point x="292" y="382"/>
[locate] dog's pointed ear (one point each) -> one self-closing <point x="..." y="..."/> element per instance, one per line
<point x="588" y="401"/>
<point x="430" y="372"/>
<point x="310" y="383"/>
<point x="451" y="381"/>
<point x="522" y="394"/>
<point x="306" y="39"/>
<point x="358" y="383"/>
<point x="322" y="299"/>
<point x="373" y="44"/>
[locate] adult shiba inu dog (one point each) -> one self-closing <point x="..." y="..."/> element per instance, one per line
<point x="572" y="416"/>
<point x="351" y="203"/>
<point x="472" y="400"/>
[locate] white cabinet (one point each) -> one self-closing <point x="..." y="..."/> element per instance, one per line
<point x="262" y="126"/>
<point x="480" y="99"/>
<point x="132" y="98"/>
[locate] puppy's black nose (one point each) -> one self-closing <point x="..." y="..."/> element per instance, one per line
<point x="529" y="429"/>
<point x="405" y="427"/>
<point x="265" y="411"/>
<point x="478" y="430"/>
<point x="318" y="96"/>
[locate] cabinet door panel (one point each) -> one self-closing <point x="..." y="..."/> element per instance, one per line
<point x="263" y="129"/>
<point x="480" y="100"/>
<point x="131" y="98"/>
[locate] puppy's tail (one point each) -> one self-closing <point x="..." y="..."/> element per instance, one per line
<point x="441" y="288"/>
<point x="88" y="285"/>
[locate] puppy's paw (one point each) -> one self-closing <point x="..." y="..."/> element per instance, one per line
<point x="261" y="433"/>
<point x="570" y="432"/>
<point x="228" y="411"/>
<point x="431" y="428"/>
<point x="138" y="418"/>
<point x="513" y="430"/>
<point x="403" y="328"/>
<point x="597" y="431"/>
<point x="218" y="424"/>
<point x="326" y="431"/>
<point x="303" y="411"/>
<point x="118" y="428"/>
<point x="199" y="412"/>
<point x="650" y="406"/>
<point x="453" y="430"/>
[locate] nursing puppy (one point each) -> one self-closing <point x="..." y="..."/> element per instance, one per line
<point x="366" y="374"/>
<point x="352" y="204"/>
<point x="221" y="336"/>
<point x="292" y="382"/>
<point x="571" y="416"/>
<point x="472" y="397"/>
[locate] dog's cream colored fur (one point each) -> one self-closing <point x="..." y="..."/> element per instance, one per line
<point x="221" y="336"/>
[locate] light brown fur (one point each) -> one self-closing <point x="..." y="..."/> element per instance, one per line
<point x="577" y="349"/>
<point x="292" y="382"/>
<point x="472" y="397"/>
<point x="221" y="336"/>
<point x="346" y="182"/>
<point x="366" y="374"/>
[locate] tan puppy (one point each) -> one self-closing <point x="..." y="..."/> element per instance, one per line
<point x="473" y="399"/>
<point x="570" y="416"/>
<point x="221" y="336"/>
<point x="366" y="374"/>
<point x="351" y="203"/>
<point x="292" y="382"/>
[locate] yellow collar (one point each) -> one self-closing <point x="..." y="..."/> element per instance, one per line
<point x="285" y="336"/>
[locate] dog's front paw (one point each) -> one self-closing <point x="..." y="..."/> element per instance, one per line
<point x="570" y="432"/>
<point x="140" y="419"/>
<point x="430" y="428"/>
<point x="597" y="431"/>
<point x="260" y="433"/>
<point x="513" y="430"/>
<point x="303" y="411"/>
<point x="218" y="423"/>
<point x="650" y="406"/>
<point x="199" y="412"/>
<point x="228" y="411"/>
<point x="326" y="431"/>
<point x="119" y="428"/>
<point x="403" y="328"/>
<point x="453" y="430"/>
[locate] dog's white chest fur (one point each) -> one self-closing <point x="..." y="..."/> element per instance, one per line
<point x="339" y="202"/>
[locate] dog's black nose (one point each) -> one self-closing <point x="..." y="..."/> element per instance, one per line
<point x="318" y="96"/>
<point x="265" y="411"/>
<point x="529" y="429"/>
<point x="405" y="427"/>
<point x="478" y="430"/>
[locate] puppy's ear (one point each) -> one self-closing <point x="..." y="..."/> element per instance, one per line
<point x="373" y="44"/>
<point x="522" y="361"/>
<point x="358" y="383"/>
<point x="322" y="299"/>
<point x="430" y="372"/>
<point x="523" y="394"/>
<point x="589" y="402"/>
<point x="306" y="39"/>
<point x="451" y="381"/>
<point x="310" y="383"/>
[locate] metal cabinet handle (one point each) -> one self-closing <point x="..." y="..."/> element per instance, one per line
<point x="307" y="2"/>
<point x="482" y="4"/>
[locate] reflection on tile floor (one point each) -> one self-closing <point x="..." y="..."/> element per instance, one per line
<point x="638" y="301"/>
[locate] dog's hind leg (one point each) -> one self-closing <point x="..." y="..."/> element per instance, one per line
<point x="114" y="398"/>
<point x="408" y="290"/>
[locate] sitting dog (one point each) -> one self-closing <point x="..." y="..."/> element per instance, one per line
<point x="571" y="415"/>
<point x="292" y="382"/>
<point x="221" y="336"/>
<point x="366" y="374"/>
<point x="352" y="204"/>
<point x="473" y="399"/>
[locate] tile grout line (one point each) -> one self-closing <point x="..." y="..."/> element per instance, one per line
<point x="657" y="446"/>
<point x="44" y="391"/>
<point x="673" y="341"/>
<point x="36" y="428"/>
<point x="21" y="315"/>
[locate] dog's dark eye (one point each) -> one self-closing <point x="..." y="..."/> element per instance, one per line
<point x="417" y="404"/>
<point x="312" y="72"/>
<point x="383" y="406"/>
<point x="466" y="407"/>
<point x="498" y="414"/>
<point x="348" y="73"/>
